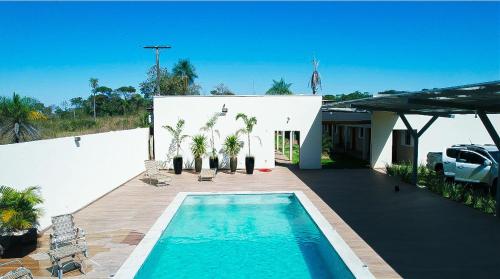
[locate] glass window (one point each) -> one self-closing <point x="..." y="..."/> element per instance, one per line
<point x="452" y="153"/>
<point x="471" y="158"/>
<point x="495" y="155"/>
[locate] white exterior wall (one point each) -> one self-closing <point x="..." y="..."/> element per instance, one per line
<point x="443" y="133"/>
<point x="72" y="176"/>
<point x="273" y="113"/>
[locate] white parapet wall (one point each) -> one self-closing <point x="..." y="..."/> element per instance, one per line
<point x="444" y="132"/>
<point x="73" y="174"/>
<point x="273" y="113"/>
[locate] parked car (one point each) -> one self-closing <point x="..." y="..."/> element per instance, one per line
<point x="468" y="163"/>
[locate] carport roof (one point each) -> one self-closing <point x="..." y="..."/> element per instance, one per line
<point x="465" y="99"/>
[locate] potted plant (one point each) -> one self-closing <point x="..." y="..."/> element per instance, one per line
<point x="232" y="147"/>
<point x="19" y="215"/>
<point x="178" y="137"/>
<point x="209" y="127"/>
<point x="198" y="148"/>
<point x="250" y="122"/>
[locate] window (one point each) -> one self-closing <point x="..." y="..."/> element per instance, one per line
<point x="406" y="138"/>
<point x="361" y="133"/>
<point x="452" y="153"/>
<point x="471" y="158"/>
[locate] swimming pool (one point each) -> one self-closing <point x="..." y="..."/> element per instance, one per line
<point x="242" y="235"/>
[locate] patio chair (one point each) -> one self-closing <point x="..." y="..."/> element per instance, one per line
<point x="19" y="273"/>
<point x="66" y="241"/>
<point x="153" y="174"/>
<point x="207" y="175"/>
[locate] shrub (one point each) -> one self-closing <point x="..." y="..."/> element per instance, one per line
<point x="18" y="208"/>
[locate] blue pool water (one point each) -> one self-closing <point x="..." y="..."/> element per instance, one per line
<point x="243" y="236"/>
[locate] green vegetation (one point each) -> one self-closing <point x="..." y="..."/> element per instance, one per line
<point x="280" y="88"/>
<point x="221" y="89"/>
<point x="249" y="122"/>
<point x="232" y="146"/>
<point x="199" y="146"/>
<point x="17" y="119"/>
<point x="177" y="135"/>
<point x="470" y="195"/>
<point x="19" y="208"/>
<point x="347" y="97"/>
<point x="210" y="127"/>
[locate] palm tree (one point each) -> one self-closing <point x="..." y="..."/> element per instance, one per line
<point x="209" y="127"/>
<point x="177" y="134"/>
<point x="280" y="88"/>
<point x="18" y="208"/>
<point x="17" y="119"/>
<point x="249" y="123"/>
<point x="186" y="71"/>
<point x="94" y="84"/>
<point x="315" y="78"/>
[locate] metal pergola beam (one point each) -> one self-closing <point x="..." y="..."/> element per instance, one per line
<point x="453" y="105"/>
<point x="401" y="111"/>
<point x="416" y="135"/>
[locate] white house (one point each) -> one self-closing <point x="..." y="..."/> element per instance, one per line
<point x="295" y="113"/>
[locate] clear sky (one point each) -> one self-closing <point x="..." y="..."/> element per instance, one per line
<point x="50" y="50"/>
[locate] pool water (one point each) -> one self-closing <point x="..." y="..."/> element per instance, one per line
<point x="242" y="236"/>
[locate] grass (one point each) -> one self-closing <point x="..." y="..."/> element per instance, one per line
<point x="66" y="127"/>
<point x="342" y="161"/>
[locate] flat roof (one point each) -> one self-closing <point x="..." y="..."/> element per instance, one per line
<point x="464" y="99"/>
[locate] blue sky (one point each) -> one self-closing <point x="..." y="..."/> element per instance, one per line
<point x="50" y="50"/>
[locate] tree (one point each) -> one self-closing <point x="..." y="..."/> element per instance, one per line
<point x="186" y="71"/>
<point x="315" y="82"/>
<point x="280" y="88"/>
<point x="221" y="89"/>
<point x="210" y="127"/>
<point x="17" y="119"/>
<point x="94" y="83"/>
<point x="126" y="91"/>
<point x="104" y="90"/>
<point x="347" y="97"/>
<point x="249" y="122"/>
<point x="148" y="86"/>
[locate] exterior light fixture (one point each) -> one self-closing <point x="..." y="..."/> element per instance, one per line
<point x="224" y="109"/>
<point x="77" y="141"/>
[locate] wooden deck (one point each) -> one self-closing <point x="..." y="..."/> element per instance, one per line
<point x="116" y="223"/>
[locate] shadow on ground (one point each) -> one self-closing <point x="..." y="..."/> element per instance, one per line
<point x="420" y="234"/>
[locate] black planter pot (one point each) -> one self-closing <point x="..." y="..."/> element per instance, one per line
<point x="214" y="162"/>
<point x="177" y="165"/>
<point x="18" y="246"/>
<point x="198" y="163"/>
<point x="233" y="164"/>
<point x="249" y="164"/>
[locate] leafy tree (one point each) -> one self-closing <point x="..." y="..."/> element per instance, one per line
<point x="249" y="122"/>
<point x="280" y="88"/>
<point x="126" y="92"/>
<point x="17" y="119"/>
<point x="94" y="84"/>
<point x="148" y="87"/>
<point x="347" y="97"/>
<point x="104" y="90"/>
<point x="221" y="89"/>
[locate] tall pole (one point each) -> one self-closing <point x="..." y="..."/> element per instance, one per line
<point x="157" y="50"/>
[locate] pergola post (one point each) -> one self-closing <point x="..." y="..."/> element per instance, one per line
<point x="496" y="139"/>
<point x="283" y="142"/>
<point x="415" y="136"/>
<point x="291" y="146"/>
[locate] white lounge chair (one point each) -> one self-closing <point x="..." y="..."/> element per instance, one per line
<point x="207" y="175"/>
<point x="153" y="174"/>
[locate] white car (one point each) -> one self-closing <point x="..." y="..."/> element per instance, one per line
<point x="468" y="163"/>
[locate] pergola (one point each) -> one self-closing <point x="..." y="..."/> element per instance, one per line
<point x="480" y="99"/>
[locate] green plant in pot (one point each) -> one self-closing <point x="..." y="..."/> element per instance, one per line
<point x="232" y="147"/>
<point x="249" y="122"/>
<point x="198" y="148"/>
<point x="178" y="138"/>
<point x="210" y="127"/>
<point x="19" y="213"/>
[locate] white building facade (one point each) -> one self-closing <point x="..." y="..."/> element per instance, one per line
<point x="295" y="113"/>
